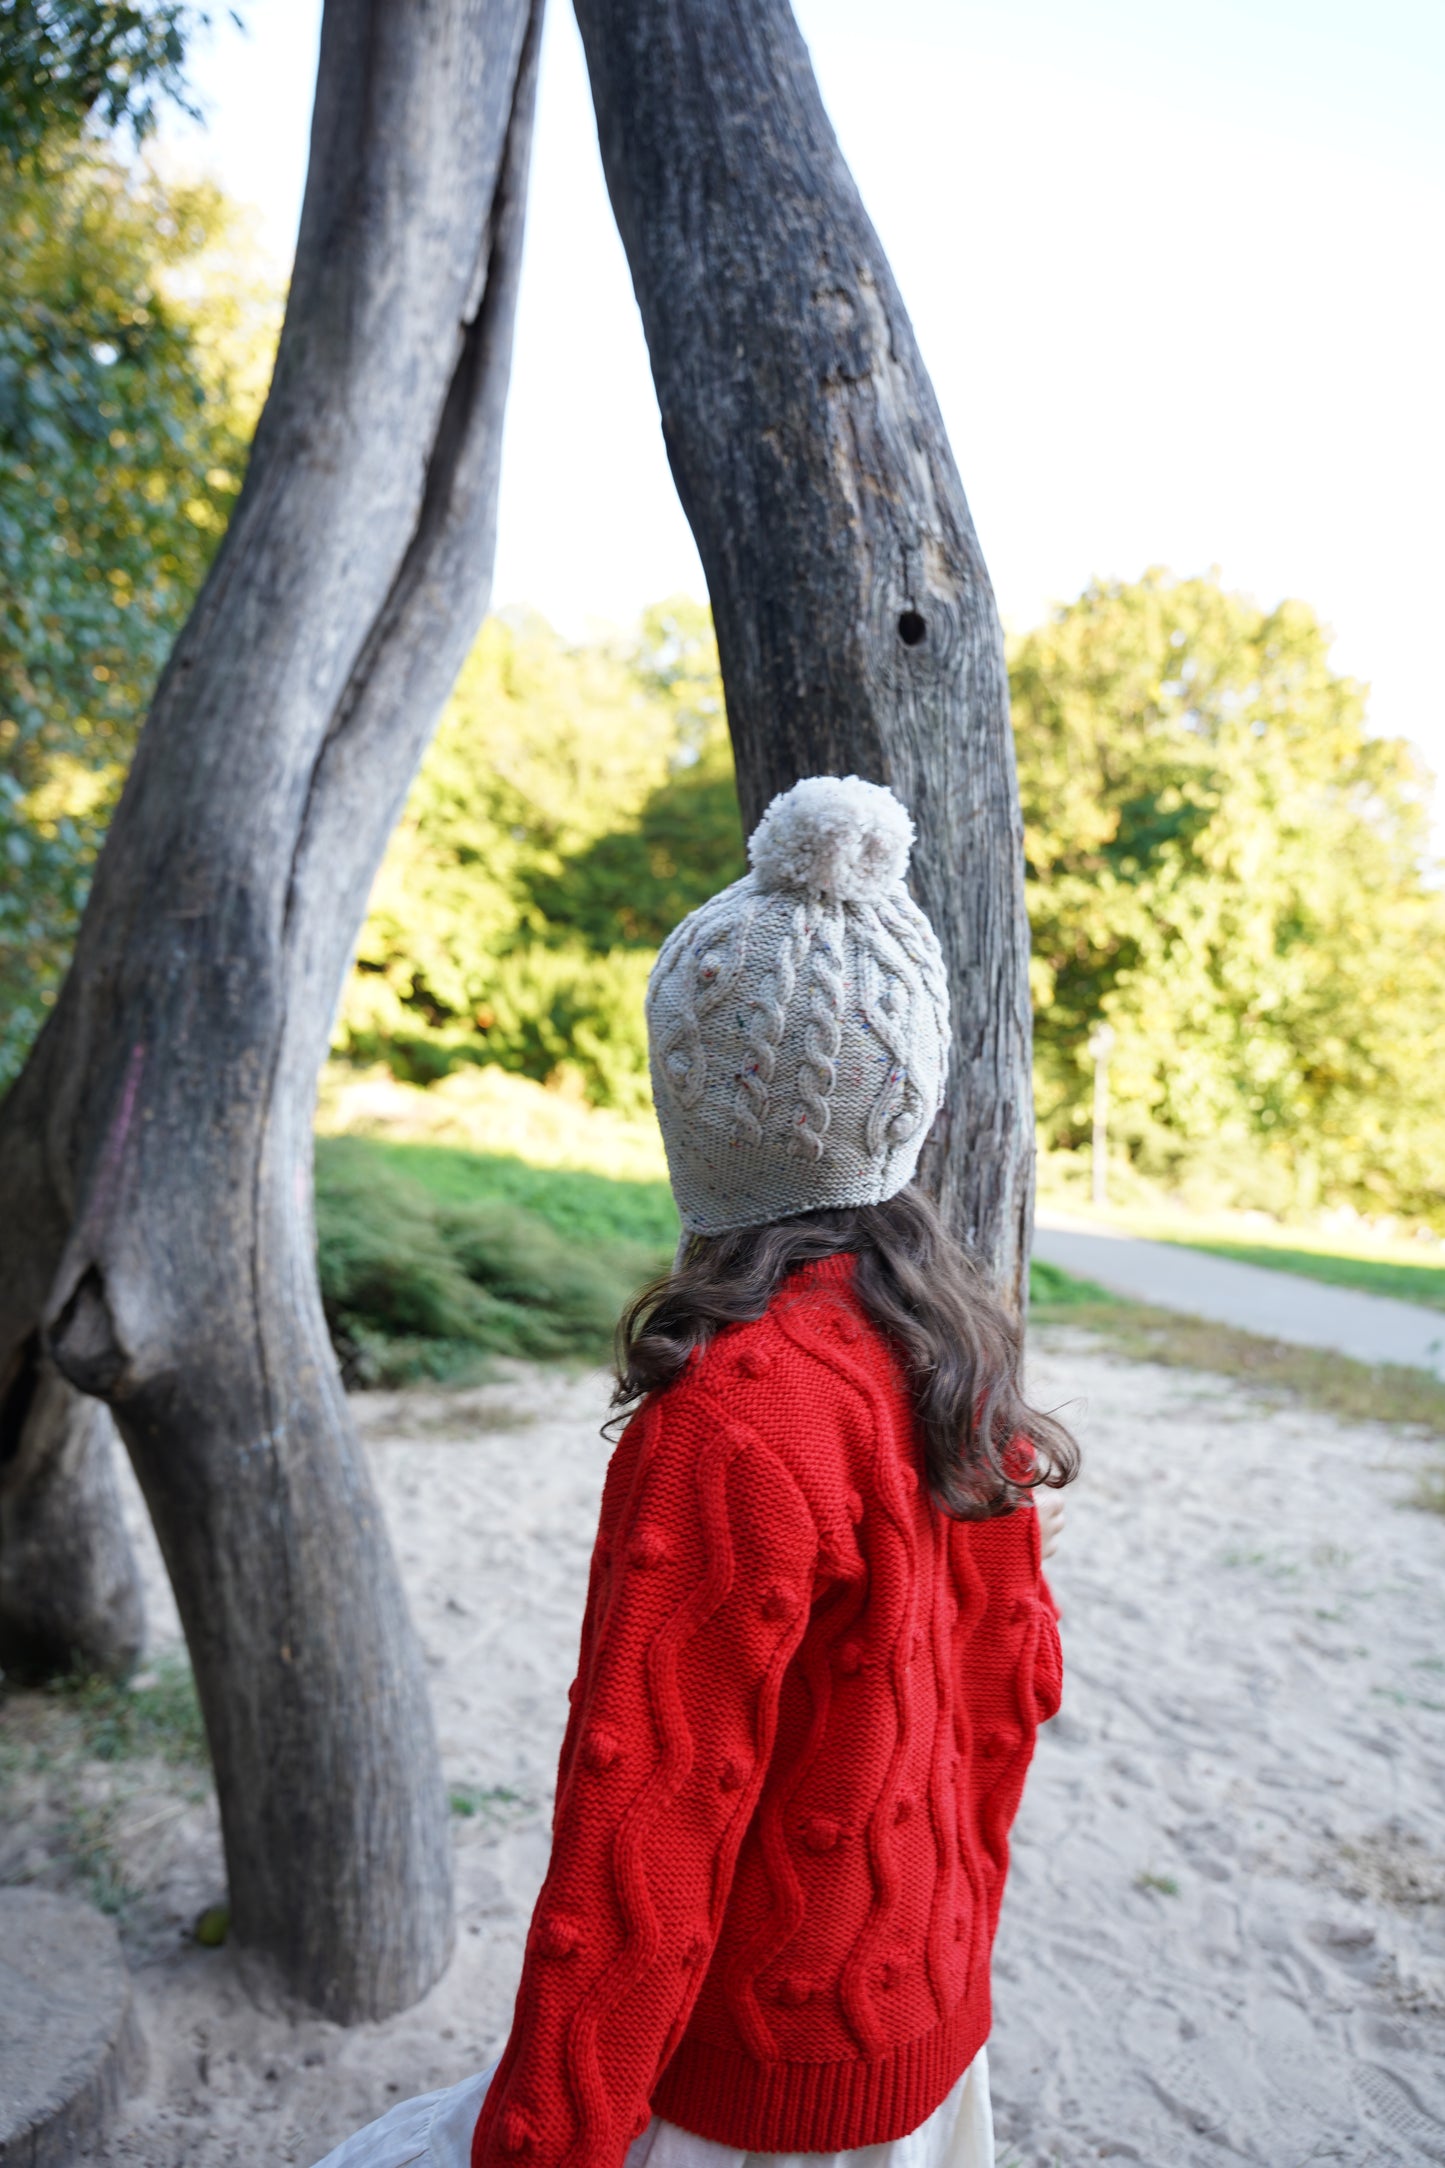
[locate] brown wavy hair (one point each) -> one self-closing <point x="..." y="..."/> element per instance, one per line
<point x="960" y="1350"/>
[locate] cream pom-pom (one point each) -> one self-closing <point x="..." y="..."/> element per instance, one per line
<point x="834" y="836"/>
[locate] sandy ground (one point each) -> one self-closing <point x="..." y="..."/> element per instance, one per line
<point x="1224" y="1938"/>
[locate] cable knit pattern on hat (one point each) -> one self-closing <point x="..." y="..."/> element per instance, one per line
<point x="798" y="1022"/>
<point x="804" y="1707"/>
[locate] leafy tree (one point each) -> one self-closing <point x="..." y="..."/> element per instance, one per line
<point x="631" y="886"/>
<point x="64" y="63"/>
<point x="130" y="374"/>
<point x="575" y="803"/>
<point x="1227" y="866"/>
<point x="133" y="355"/>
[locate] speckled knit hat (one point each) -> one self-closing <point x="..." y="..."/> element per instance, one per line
<point x="798" y="1023"/>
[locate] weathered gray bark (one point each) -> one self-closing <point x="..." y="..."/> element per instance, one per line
<point x="70" y="1595"/>
<point x="155" y="1154"/>
<point x="855" y="620"/>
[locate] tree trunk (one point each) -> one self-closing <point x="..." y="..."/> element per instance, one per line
<point x="70" y="1595"/>
<point x="155" y="1154"/>
<point x="855" y="620"/>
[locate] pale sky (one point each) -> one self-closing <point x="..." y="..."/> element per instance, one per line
<point x="1175" y="267"/>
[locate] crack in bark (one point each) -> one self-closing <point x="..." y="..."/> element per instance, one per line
<point x="16" y="1398"/>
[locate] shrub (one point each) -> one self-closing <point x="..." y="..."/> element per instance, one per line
<point x="419" y="1285"/>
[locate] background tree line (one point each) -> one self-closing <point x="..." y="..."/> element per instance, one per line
<point x="1222" y="862"/>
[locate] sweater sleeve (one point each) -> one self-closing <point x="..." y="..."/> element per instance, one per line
<point x="700" y="1594"/>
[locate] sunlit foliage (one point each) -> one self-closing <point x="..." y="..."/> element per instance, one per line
<point x="108" y="63"/>
<point x="134" y="348"/>
<point x="1226" y="866"/>
<point x="577" y="800"/>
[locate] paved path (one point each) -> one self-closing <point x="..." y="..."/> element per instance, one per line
<point x="1277" y="1305"/>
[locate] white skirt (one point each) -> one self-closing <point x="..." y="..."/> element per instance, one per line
<point x="435" y="2131"/>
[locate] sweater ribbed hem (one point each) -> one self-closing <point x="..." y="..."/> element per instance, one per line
<point x="819" y="2107"/>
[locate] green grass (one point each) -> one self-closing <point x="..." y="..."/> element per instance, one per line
<point x="575" y="1205"/>
<point x="1052" y="1290"/>
<point x="494" y="1804"/>
<point x="1375" y="1275"/>
<point x="88" y="1835"/>
<point x="159" y="1717"/>
<point x="434" y="1260"/>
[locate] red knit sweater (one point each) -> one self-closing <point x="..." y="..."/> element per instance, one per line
<point x="804" y="1708"/>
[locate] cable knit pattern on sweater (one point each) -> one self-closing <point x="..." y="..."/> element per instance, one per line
<point x="804" y="1708"/>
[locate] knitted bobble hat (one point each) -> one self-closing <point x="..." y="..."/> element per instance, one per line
<point x="797" y="1024"/>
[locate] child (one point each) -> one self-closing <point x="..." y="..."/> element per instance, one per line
<point x="817" y="1643"/>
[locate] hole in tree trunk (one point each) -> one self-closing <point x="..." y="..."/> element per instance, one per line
<point x="912" y="629"/>
<point x="83" y="1340"/>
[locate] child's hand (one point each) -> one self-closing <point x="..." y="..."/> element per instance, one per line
<point x="1049" y="1505"/>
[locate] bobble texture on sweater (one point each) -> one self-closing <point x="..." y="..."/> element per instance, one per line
<point x="805" y="1705"/>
